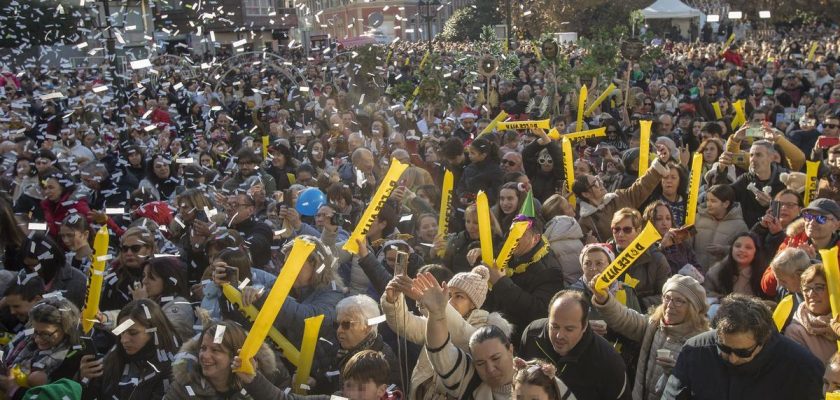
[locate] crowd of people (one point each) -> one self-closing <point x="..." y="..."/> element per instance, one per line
<point x="206" y="183"/>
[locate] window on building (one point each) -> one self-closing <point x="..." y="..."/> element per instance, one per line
<point x="258" y="7"/>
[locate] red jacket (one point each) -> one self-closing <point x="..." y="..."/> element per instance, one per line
<point x="55" y="212"/>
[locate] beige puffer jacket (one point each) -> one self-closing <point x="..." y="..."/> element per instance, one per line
<point x="424" y="384"/>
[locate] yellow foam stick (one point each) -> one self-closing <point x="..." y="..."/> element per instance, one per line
<point x="513" y="125"/>
<point x="569" y="168"/>
<point x="740" y="115"/>
<point x="832" y="396"/>
<point x="553" y="134"/>
<point x="516" y="231"/>
<point x="581" y="107"/>
<point x="782" y="312"/>
<point x="599" y="100"/>
<point x="286" y="347"/>
<point x="811" y="168"/>
<point x="485" y="230"/>
<point x="445" y="206"/>
<point x="832" y="278"/>
<point x="492" y="125"/>
<point x="20" y="377"/>
<point x="389" y="183"/>
<point x="728" y="42"/>
<point x="718" y="113"/>
<point x="413" y="95"/>
<point x="694" y="188"/>
<point x="265" y="146"/>
<point x="276" y="297"/>
<point x="95" y="275"/>
<point x="648" y="237"/>
<point x="311" y="328"/>
<point x="644" y="146"/>
<point x="537" y="51"/>
<point x="423" y="61"/>
<point x="813" y="51"/>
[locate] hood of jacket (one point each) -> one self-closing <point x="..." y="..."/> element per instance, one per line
<point x="481" y="317"/>
<point x="562" y="227"/>
<point x="795" y="228"/>
<point x="186" y="370"/>
<point x="587" y="209"/>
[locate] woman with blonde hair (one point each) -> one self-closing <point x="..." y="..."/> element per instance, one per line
<point x="662" y="333"/>
<point x="811" y="325"/>
<point x="456" y="246"/>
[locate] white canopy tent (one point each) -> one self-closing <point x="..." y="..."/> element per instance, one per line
<point x="680" y="14"/>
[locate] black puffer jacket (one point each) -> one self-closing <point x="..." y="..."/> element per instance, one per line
<point x="523" y="297"/>
<point x="142" y="377"/>
<point x="544" y="184"/>
<point x="484" y="175"/>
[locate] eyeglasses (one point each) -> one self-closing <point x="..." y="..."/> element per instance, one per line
<point x="345" y="325"/>
<point x="623" y="229"/>
<point x="135" y="248"/>
<point x="740" y="353"/>
<point x="45" y="335"/>
<point x="831" y="126"/>
<point x="819" y="219"/>
<point x="788" y="204"/>
<point x="546" y="160"/>
<point x="509" y="163"/>
<point x="679" y="303"/>
<point x="815" y="289"/>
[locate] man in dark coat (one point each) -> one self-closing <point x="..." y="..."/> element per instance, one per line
<point x="744" y="358"/>
<point x="586" y="362"/>
<point x="533" y="275"/>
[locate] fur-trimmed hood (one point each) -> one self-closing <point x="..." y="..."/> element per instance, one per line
<point x="795" y="228"/>
<point x="185" y="369"/>
<point x="481" y="317"/>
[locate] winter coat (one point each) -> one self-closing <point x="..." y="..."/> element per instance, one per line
<point x="257" y="237"/>
<point x="565" y="237"/>
<point x="652" y="335"/>
<point x="813" y="332"/>
<point x="413" y="328"/>
<point x="457" y="247"/>
<point x="649" y="273"/>
<point x="142" y="376"/>
<point x="544" y="184"/>
<point x="596" y="219"/>
<point x="523" y="297"/>
<point x="711" y="231"/>
<point x="180" y="313"/>
<point x="781" y="370"/>
<point x="752" y="210"/>
<point x="269" y="384"/>
<point x="328" y="375"/>
<point x="592" y="369"/>
<point x="484" y="175"/>
<point x="795" y="236"/>
<point x="55" y="212"/>
<point x="237" y="179"/>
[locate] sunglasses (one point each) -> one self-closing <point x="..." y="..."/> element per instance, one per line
<point x="135" y="248"/>
<point x="509" y="163"/>
<point x="345" y="325"/>
<point x="626" y="230"/>
<point x="544" y="161"/>
<point x="820" y="219"/>
<point x="740" y="353"/>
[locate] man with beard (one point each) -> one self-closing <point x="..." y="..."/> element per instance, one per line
<point x="467" y="132"/>
<point x="744" y="357"/>
<point x="249" y="165"/>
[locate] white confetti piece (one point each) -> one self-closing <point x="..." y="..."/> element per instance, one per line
<point x="244" y="283"/>
<point x="37" y="226"/>
<point x="376" y="320"/>
<point x="140" y="64"/>
<point x="123" y="327"/>
<point x="220" y="334"/>
<point x="187" y="160"/>
<point x="114" y="210"/>
<point x="239" y="43"/>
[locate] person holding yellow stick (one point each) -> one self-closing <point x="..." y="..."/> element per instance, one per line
<point x="543" y="162"/>
<point x="458" y="246"/>
<point x="204" y="369"/>
<point x="597" y="206"/>
<point x="533" y="276"/>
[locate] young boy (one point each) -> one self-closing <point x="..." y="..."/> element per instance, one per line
<point x="365" y="376"/>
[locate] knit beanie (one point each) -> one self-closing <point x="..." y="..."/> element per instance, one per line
<point x="690" y="289"/>
<point x="473" y="283"/>
<point x="672" y="147"/>
<point x="604" y="247"/>
<point x="62" y="389"/>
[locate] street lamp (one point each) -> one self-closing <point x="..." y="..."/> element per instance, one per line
<point x="428" y="10"/>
